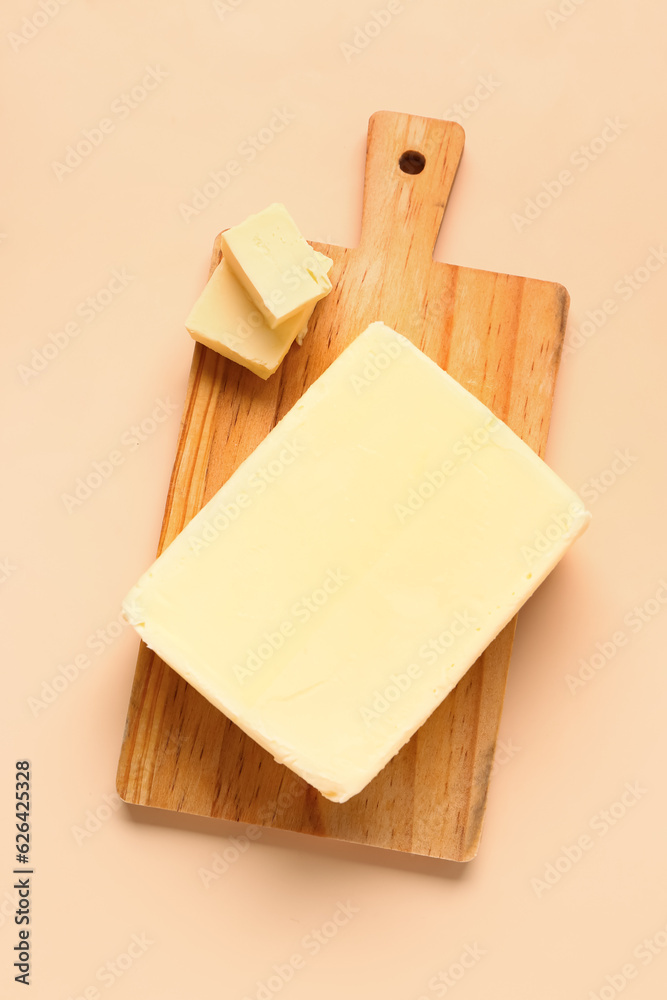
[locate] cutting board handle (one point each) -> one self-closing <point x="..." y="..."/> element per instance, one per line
<point x="411" y="163"/>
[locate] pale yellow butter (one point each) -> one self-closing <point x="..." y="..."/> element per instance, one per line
<point x="338" y="586"/>
<point x="224" y="319"/>
<point x="278" y="269"/>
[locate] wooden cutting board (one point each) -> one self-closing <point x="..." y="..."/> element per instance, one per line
<point x="500" y="336"/>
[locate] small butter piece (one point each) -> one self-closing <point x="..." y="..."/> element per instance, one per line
<point x="357" y="563"/>
<point x="224" y="319"/>
<point x="278" y="269"/>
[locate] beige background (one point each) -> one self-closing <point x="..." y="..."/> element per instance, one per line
<point x="550" y="83"/>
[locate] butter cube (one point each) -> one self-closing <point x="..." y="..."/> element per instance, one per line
<point x="339" y="585"/>
<point x="278" y="269"/>
<point x="224" y="319"/>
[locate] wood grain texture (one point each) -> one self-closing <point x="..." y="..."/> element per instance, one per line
<point x="497" y="334"/>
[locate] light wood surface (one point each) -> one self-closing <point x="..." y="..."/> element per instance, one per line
<point x="500" y="336"/>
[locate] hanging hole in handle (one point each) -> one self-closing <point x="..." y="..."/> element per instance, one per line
<point x="412" y="162"/>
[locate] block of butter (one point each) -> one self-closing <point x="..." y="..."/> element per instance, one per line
<point x="276" y="266"/>
<point x="338" y="586"/>
<point x="224" y="319"/>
